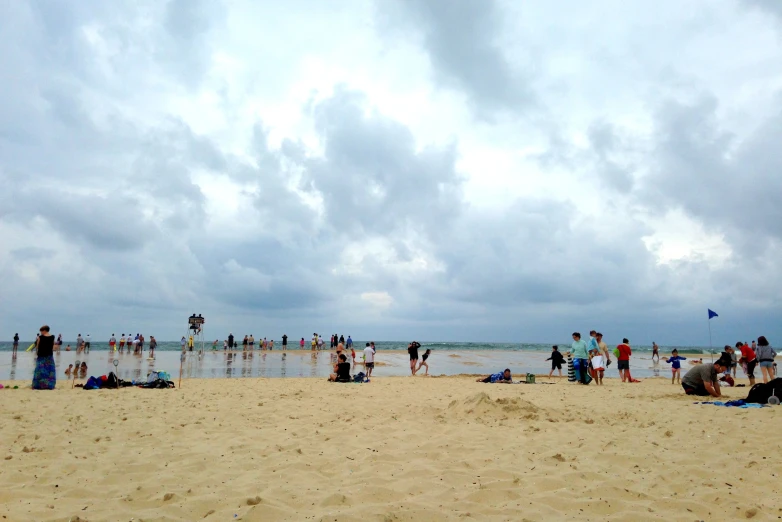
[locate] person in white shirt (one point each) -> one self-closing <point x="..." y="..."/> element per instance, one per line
<point x="87" y="340"/>
<point x="369" y="360"/>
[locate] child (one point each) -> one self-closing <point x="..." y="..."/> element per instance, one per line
<point x="83" y="369"/>
<point x="69" y="370"/>
<point x="676" y="366"/>
<point x="423" y="361"/>
<point x="225" y="345"/>
<point x="598" y="366"/>
<point x="556" y="361"/>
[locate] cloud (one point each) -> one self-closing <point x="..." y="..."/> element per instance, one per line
<point x="463" y="44"/>
<point x="154" y="164"/>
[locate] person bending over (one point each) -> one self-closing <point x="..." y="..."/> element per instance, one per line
<point x="501" y="378"/>
<point x="341" y="370"/>
<point x="702" y="379"/>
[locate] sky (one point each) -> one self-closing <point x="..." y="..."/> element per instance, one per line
<point x="464" y="170"/>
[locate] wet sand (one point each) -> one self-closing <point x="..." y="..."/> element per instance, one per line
<point x="304" y="363"/>
<point x="399" y="448"/>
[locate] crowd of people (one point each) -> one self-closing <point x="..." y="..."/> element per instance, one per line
<point x="587" y="360"/>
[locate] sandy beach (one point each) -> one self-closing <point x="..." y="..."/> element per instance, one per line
<point x="398" y="448"/>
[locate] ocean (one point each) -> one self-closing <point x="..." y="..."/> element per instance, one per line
<point x="447" y="358"/>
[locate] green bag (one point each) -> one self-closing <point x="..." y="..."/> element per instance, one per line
<point x="530" y="378"/>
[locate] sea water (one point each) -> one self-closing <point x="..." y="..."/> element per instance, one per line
<point x="391" y="360"/>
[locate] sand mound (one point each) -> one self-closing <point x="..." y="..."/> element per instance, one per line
<point x="482" y="407"/>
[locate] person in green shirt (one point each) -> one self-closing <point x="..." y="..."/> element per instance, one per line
<point x="580" y="358"/>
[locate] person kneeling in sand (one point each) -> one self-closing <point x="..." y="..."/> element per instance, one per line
<point x="702" y="379"/>
<point x="501" y="378"/>
<point x="341" y="370"/>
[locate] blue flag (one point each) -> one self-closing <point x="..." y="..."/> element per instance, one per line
<point x="712" y="313"/>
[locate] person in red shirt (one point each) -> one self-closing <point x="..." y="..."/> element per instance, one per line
<point x="623" y="360"/>
<point x="748" y="357"/>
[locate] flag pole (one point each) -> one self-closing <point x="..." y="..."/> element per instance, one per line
<point x="711" y="350"/>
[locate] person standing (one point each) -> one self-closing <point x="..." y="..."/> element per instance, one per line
<point x="603" y="349"/>
<point x="655" y="352"/>
<point x="750" y="359"/>
<point x="112" y="343"/>
<point x="45" y="374"/>
<point x="182" y="343"/>
<point x="342" y="339"/>
<point x="314" y="341"/>
<point x="152" y="346"/>
<point x="766" y="356"/>
<point x="16" y="344"/>
<point x="556" y="361"/>
<point x="79" y="343"/>
<point x="369" y="360"/>
<point x="580" y="354"/>
<point x="412" y="349"/>
<point x="231" y="341"/>
<point x="676" y="366"/>
<point x="349" y="344"/>
<point x="623" y="360"/>
<point x="122" y="343"/>
<point x="284" y="342"/>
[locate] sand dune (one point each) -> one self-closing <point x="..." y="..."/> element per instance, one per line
<point x="396" y="449"/>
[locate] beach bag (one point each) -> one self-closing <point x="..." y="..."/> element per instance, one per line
<point x="359" y="377"/>
<point x="760" y="393"/>
<point x="530" y="379"/>
<point x="110" y="382"/>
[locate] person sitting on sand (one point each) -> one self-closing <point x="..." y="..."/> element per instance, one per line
<point x="495" y="378"/>
<point x="556" y="360"/>
<point x="702" y="379"/>
<point x="341" y="370"/>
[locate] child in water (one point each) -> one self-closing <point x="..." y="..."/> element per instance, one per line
<point x="676" y="366"/>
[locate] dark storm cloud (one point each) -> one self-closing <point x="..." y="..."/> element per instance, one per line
<point x="372" y="178"/>
<point x="461" y="40"/>
<point x="731" y="185"/>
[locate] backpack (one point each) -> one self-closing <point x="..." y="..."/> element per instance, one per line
<point x="760" y="393"/>
<point x="359" y="377"/>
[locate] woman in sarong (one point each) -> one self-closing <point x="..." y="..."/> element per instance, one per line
<point x="45" y="375"/>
